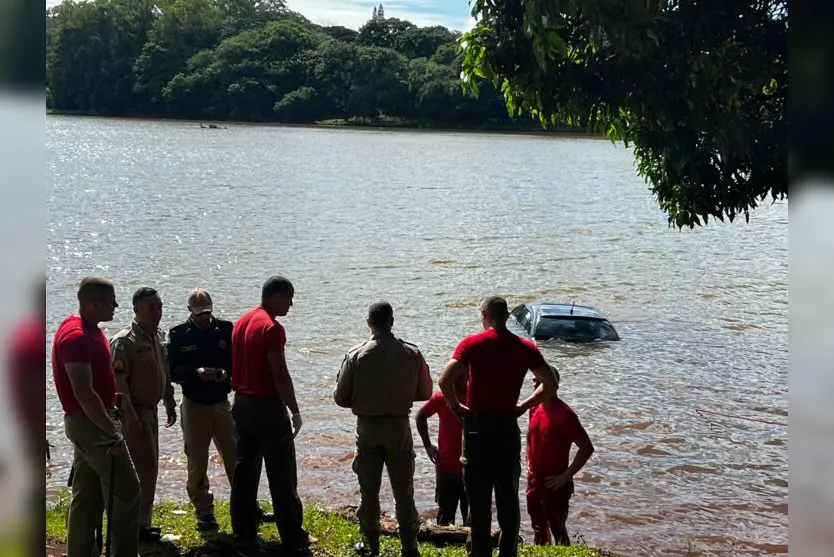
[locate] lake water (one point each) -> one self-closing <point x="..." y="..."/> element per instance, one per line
<point x="432" y="222"/>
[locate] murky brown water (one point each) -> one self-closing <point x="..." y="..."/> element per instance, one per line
<point x="432" y="222"/>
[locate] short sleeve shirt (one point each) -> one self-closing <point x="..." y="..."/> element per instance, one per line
<point x="498" y="363"/>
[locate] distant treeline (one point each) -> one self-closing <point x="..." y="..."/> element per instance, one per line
<point x="255" y="60"/>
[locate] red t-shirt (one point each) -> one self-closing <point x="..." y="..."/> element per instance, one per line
<point x="497" y="364"/>
<point x="27" y="363"/>
<point x="253" y="335"/>
<point x="449" y="436"/>
<point x="551" y="433"/>
<point x="77" y="342"/>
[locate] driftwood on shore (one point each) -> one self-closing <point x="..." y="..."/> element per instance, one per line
<point x="429" y="533"/>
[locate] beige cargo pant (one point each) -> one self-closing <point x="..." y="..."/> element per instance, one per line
<point x="202" y="423"/>
<point x="90" y="490"/>
<point x="144" y="451"/>
<point x="386" y="441"/>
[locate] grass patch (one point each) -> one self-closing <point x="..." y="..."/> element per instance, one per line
<point x="336" y="535"/>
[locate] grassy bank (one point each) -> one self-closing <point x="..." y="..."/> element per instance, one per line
<point x="356" y="123"/>
<point x="336" y="536"/>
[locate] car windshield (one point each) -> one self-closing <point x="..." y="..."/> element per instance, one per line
<point x="574" y="329"/>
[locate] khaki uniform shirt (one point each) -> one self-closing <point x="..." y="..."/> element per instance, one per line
<point x="383" y="376"/>
<point x="140" y="362"/>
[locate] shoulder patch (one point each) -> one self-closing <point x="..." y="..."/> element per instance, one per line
<point x="118" y="366"/>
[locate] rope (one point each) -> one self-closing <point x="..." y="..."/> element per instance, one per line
<point x="770" y="422"/>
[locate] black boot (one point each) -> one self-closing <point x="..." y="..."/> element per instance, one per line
<point x="367" y="549"/>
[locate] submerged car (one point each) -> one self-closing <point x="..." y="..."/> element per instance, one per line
<point x="565" y="322"/>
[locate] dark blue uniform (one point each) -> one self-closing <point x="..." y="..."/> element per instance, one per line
<point x="190" y="347"/>
<point x="206" y="412"/>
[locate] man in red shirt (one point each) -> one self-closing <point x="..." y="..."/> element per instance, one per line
<point x="263" y="394"/>
<point x="449" y="490"/>
<point x="27" y="362"/>
<point x="497" y="362"/>
<point x="554" y="427"/>
<point x="86" y="387"/>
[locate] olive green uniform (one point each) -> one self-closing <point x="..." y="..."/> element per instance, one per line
<point x="140" y="361"/>
<point x="379" y="381"/>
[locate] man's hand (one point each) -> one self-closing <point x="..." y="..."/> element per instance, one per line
<point x="555" y="482"/>
<point x="462" y="411"/>
<point x="134" y="426"/>
<point x="433" y="453"/>
<point x="296" y="424"/>
<point x="172" y="417"/>
<point x="118" y="447"/>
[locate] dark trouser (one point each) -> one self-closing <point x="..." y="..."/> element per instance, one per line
<point x="548" y="511"/>
<point x="264" y="432"/>
<point x="448" y="493"/>
<point x="492" y="460"/>
<point x="386" y="441"/>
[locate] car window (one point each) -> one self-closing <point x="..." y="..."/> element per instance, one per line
<point x="574" y="329"/>
<point x="524" y="319"/>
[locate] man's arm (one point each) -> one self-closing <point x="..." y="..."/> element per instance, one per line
<point x="586" y="449"/>
<point x="282" y="379"/>
<point x="121" y="367"/>
<point x="421" y="419"/>
<point x="450" y="374"/>
<point x="546" y="374"/>
<point x="227" y="336"/>
<point x="425" y="385"/>
<point x="178" y="367"/>
<point x="343" y="395"/>
<point x="81" y="379"/>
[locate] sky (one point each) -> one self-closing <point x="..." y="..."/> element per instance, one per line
<point x="453" y="14"/>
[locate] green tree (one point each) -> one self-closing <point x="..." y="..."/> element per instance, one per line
<point x="384" y="32"/>
<point x="343" y="34"/>
<point x="183" y="28"/>
<point x="422" y="42"/>
<point x="302" y="105"/>
<point x="91" y="47"/>
<point x="698" y="88"/>
<point x="246" y="74"/>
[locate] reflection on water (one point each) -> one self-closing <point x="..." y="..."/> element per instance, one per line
<point x="433" y="222"/>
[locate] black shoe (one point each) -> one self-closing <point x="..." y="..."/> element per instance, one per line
<point x="366" y="550"/>
<point x="411" y="553"/>
<point x="156" y="529"/>
<point x="207" y="523"/>
<point x="246" y="544"/>
<point x="264" y="516"/>
<point x="149" y="535"/>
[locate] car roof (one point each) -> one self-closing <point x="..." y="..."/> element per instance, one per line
<point x="554" y="309"/>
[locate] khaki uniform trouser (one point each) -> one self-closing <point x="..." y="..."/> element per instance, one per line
<point x="90" y="490"/>
<point x="202" y="423"/>
<point x="386" y="441"/>
<point x="144" y="451"/>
